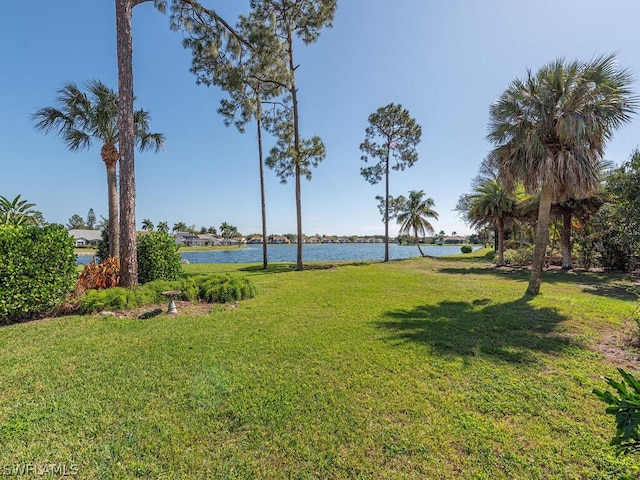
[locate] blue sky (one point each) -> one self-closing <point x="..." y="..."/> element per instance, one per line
<point x="445" y="61"/>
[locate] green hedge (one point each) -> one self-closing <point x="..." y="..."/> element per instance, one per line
<point x="37" y="270"/>
<point x="158" y="257"/>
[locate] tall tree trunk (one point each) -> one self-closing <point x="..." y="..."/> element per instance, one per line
<point x="263" y="202"/>
<point x="114" y="224"/>
<point x="386" y="209"/>
<point x="296" y="148"/>
<point x="566" y="240"/>
<point x="542" y="239"/>
<point x="500" y="239"/>
<point x="128" y="257"/>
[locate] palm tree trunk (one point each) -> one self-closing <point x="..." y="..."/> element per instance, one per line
<point x="500" y="240"/>
<point x="566" y="240"/>
<point x="114" y="224"/>
<point x="386" y="209"/>
<point x="418" y="243"/>
<point x="128" y="257"/>
<point x="542" y="238"/>
<point x="265" y="259"/>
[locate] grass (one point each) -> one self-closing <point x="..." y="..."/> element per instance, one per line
<point x="85" y="251"/>
<point x="424" y="368"/>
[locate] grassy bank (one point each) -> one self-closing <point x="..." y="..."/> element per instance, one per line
<point x="425" y="368"/>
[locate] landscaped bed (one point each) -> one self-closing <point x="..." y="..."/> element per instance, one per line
<point x="425" y="368"/>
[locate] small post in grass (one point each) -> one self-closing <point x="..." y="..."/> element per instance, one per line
<point x="171" y="295"/>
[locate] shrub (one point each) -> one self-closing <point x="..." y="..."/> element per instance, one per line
<point x="215" y="289"/>
<point x="158" y="257"/>
<point x="105" y="274"/>
<point x="466" y="249"/>
<point x="520" y="256"/>
<point x="223" y="289"/>
<point x="37" y="270"/>
<point x="103" y="245"/>
<point x="190" y="289"/>
<point x="119" y="298"/>
<point x="625" y="406"/>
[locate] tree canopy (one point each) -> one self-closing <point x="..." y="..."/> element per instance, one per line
<point x="550" y="129"/>
<point x="413" y="213"/>
<point x="391" y="134"/>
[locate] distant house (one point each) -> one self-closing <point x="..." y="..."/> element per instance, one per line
<point x="455" y="239"/>
<point x="254" y="240"/>
<point x="211" y="239"/>
<point x="280" y="240"/>
<point x="188" y="239"/>
<point x="86" y="238"/>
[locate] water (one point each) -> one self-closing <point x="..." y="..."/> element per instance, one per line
<point x="323" y="252"/>
<point x="318" y="253"/>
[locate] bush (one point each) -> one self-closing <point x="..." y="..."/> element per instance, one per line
<point x="626" y="409"/>
<point x="103" y="245"/>
<point x="118" y="298"/>
<point x="466" y="249"/>
<point x="158" y="257"/>
<point x="37" y="270"/>
<point x="223" y="289"/>
<point x="520" y="256"/>
<point x="214" y="289"/>
<point x="105" y="274"/>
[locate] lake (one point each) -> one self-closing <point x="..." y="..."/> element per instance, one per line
<point x="322" y="252"/>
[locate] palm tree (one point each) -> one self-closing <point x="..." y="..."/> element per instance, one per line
<point x="17" y="212"/>
<point x="228" y="231"/>
<point x="179" y="227"/>
<point x="147" y="225"/>
<point x="550" y="130"/>
<point x="82" y="118"/>
<point x="582" y="208"/>
<point x="492" y="204"/>
<point x="163" y="227"/>
<point x="412" y="216"/>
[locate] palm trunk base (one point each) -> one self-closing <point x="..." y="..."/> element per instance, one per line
<point x="542" y="238"/>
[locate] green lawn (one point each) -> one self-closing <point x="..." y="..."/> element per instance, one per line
<point x="424" y="368"/>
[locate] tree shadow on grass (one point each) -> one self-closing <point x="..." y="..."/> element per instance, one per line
<point x="613" y="291"/>
<point x="577" y="277"/>
<point x="291" y="267"/>
<point x="510" y="332"/>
